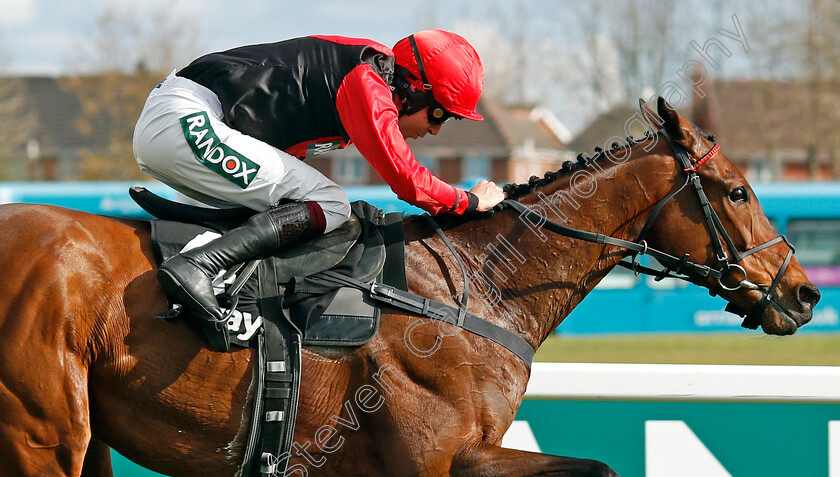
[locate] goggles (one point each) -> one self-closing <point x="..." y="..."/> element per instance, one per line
<point x="438" y="115"/>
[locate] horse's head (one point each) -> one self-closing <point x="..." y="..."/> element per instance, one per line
<point x="758" y="274"/>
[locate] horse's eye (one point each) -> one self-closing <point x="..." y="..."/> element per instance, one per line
<point x="738" y="195"/>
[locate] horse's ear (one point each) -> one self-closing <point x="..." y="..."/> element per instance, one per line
<point x="680" y="130"/>
<point x="650" y="116"/>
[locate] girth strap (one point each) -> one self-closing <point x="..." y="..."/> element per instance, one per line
<point x="437" y="311"/>
<point x="277" y="385"/>
<point x="465" y="295"/>
<point x="393" y="271"/>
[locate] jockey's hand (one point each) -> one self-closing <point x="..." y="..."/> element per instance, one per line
<point x="489" y="195"/>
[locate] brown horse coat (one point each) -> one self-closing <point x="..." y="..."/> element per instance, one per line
<point x="84" y="366"/>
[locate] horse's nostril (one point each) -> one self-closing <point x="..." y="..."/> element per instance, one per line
<point x="808" y="294"/>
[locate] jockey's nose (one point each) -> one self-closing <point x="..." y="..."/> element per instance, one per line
<point x="434" y="129"/>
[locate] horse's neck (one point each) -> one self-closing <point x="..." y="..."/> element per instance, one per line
<point x="528" y="278"/>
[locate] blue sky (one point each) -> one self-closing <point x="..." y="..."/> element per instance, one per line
<point x="40" y="36"/>
<point x="44" y="37"/>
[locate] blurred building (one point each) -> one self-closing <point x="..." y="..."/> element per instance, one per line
<point x="51" y="146"/>
<point x="773" y="131"/>
<point x="511" y="144"/>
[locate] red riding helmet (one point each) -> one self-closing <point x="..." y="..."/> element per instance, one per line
<point x="449" y="64"/>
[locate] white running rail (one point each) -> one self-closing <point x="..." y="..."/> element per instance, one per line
<point x="684" y="382"/>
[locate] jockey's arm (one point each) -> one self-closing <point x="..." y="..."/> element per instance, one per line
<point x="368" y="113"/>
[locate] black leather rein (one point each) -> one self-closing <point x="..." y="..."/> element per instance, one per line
<point x="683" y="268"/>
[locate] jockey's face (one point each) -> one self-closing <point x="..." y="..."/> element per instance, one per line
<point x="417" y="124"/>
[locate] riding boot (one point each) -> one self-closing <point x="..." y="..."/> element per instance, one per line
<point x="187" y="277"/>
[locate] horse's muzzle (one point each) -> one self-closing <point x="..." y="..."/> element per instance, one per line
<point x="807" y="297"/>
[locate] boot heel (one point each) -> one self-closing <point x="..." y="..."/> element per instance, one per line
<point x="175" y="289"/>
<point x="212" y="328"/>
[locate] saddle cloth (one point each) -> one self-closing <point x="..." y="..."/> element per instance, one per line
<point x="297" y="310"/>
<point x="325" y="315"/>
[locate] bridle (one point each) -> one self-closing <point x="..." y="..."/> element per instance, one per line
<point x="683" y="268"/>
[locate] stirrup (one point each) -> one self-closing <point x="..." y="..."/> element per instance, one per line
<point x="171" y="314"/>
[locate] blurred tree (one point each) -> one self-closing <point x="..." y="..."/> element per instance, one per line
<point x="578" y="58"/>
<point x="523" y="46"/>
<point x="629" y="48"/>
<point x="596" y="74"/>
<point x="19" y="126"/>
<point x="4" y="54"/>
<point x="19" y="122"/>
<point x="132" y="49"/>
<point x="795" y="46"/>
<point x="821" y="65"/>
<point x="585" y="58"/>
<point x="507" y="39"/>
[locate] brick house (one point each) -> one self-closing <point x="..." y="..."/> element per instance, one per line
<point x="768" y="129"/>
<point x="52" y="146"/>
<point x="511" y="144"/>
<point x="774" y="130"/>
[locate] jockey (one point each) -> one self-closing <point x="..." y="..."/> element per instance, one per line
<point x="233" y="128"/>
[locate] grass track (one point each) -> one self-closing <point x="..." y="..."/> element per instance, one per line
<point x="730" y="348"/>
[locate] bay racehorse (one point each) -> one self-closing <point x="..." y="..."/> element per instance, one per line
<point x="85" y="367"/>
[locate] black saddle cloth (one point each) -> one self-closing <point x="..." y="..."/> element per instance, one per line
<point x="326" y="315"/>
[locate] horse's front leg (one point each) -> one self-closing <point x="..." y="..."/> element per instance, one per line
<point x="485" y="460"/>
<point x="44" y="420"/>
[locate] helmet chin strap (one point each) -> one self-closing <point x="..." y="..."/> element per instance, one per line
<point x="411" y="99"/>
<point x="427" y="88"/>
<point x="408" y="98"/>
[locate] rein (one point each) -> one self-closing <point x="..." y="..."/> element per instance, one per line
<point x="683" y="268"/>
<point x="674" y="267"/>
<point x="435" y="310"/>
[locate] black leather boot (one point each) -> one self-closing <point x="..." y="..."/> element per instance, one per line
<point x="187" y="277"/>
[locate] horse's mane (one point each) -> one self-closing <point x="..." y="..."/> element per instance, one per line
<point x="517" y="191"/>
<point x="583" y="161"/>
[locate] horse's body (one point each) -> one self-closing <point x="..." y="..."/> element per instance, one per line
<point x="84" y="366"/>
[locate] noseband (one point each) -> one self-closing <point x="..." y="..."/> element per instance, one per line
<point x="682" y="267"/>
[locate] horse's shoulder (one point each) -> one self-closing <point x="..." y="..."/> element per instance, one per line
<point x="44" y="224"/>
<point x="60" y="215"/>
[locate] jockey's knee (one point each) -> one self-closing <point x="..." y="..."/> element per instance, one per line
<point x="336" y="210"/>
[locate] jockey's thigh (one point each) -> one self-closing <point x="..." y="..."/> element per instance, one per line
<point x="181" y="140"/>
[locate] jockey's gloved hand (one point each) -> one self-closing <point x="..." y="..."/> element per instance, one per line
<point x="484" y="196"/>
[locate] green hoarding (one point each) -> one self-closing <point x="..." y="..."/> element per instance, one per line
<point x="746" y="439"/>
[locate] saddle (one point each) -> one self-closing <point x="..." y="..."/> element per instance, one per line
<point x="326" y="315"/>
<point x="324" y="292"/>
<point x="282" y="307"/>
